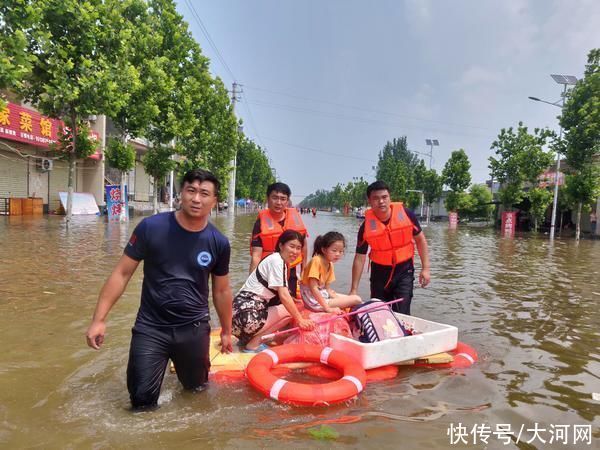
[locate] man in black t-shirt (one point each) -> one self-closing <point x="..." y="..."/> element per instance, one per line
<point x="180" y="251"/>
<point x="392" y="269"/>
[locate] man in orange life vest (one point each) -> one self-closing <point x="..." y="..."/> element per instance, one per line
<point x="391" y="231"/>
<point x="270" y="224"/>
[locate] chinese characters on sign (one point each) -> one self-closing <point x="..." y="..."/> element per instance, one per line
<point x="509" y="223"/>
<point x="25" y="125"/>
<point x="552" y="434"/>
<point x="116" y="203"/>
<point x="452" y="219"/>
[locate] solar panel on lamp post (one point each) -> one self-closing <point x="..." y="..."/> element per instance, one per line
<point x="565" y="80"/>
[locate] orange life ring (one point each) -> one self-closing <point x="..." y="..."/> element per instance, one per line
<point x="349" y="386"/>
<point x="464" y="356"/>
<point x="376" y="374"/>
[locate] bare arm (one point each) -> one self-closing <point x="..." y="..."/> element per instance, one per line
<point x="222" y="299"/>
<point x="421" y="242"/>
<point x="109" y="294"/>
<point x="255" y="254"/>
<point x="288" y="303"/>
<point x="357" y="268"/>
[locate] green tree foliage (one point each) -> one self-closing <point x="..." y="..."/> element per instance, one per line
<point x="353" y="194"/>
<point x="580" y="120"/>
<point x="120" y="155"/>
<point x="397" y="166"/>
<point x="520" y="158"/>
<point x="481" y="206"/>
<point x="78" y="69"/>
<point x="158" y="163"/>
<point x="540" y="199"/>
<point x="457" y="177"/>
<point x="253" y="172"/>
<point x="16" y="59"/>
<point x="431" y="185"/>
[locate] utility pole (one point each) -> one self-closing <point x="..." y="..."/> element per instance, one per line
<point x="231" y="191"/>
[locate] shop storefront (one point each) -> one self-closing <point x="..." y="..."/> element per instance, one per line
<point x="28" y="168"/>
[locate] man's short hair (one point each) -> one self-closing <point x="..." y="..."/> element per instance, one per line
<point x="201" y="175"/>
<point x="279" y="187"/>
<point x="377" y="186"/>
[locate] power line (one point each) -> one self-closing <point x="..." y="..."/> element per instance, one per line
<point x="318" y="150"/>
<point x="387" y="113"/>
<point x="359" y="119"/>
<point x="206" y="34"/>
<point x="251" y="120"/>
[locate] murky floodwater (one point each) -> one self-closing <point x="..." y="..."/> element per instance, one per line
<point x="530" y="309"/>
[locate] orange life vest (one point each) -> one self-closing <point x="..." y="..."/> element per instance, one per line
<point x="270" y="230"/>
<point x="390" y="244"/>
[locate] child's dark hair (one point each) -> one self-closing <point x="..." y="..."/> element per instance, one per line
<point x="286" y="236"/>
<point x="201" y="175"/>
<point x="322" y="242"/>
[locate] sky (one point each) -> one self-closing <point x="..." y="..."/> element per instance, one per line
<point x="326" y="83"/>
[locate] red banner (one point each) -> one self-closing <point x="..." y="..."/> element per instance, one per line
<point x="548" y="178"/>
<point x="452" y="219"/>
<point x="26" y="125"/>
<point x="509" y="223"/>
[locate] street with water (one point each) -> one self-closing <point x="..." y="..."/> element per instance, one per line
<point x="528" y="306"/>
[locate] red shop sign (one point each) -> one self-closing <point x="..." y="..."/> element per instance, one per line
<point x="28" y="126"/>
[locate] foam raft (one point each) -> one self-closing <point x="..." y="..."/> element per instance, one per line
<point x="230" y="367"/>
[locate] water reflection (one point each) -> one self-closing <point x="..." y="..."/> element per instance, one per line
<point x="529" y="308"/>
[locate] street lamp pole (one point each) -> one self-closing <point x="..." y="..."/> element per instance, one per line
<point x="565" y="80"/>
<point x="431" y="143"/>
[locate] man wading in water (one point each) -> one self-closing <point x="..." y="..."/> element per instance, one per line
<point x="180" y="250"/>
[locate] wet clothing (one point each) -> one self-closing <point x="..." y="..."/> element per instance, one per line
<point x="250" y="314"/>
<point x="391" y="282"/>
<point x="173" y="318"/>
<point x="150" y="350"/>
<point x="177" y="266"/>
<point x="251" y="303"/>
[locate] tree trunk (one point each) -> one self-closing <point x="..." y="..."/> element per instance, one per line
<point x="124" y="204"/>
<point x="155" y="189"/>
<point x="123" y="216"/>
<point x="535" y="224"/>
<point x="578" y="228"/>
<point x="72" y="165"/>
<point x="561" y="223"/>
<point x="70" y="184"/>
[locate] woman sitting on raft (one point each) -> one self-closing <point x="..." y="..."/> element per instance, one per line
<point x="252" y="315"/>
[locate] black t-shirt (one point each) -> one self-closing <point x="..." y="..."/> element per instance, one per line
<point x="362" y="247"/>
<point x="177" y="264"/>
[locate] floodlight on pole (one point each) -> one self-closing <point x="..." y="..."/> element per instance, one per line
<point x="565" y="80"/>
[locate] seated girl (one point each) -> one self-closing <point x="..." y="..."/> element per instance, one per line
<point x="318" y="275"/>
<point x="252" y="315"/>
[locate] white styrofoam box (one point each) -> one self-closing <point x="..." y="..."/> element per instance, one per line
<point x="430" y="338"/>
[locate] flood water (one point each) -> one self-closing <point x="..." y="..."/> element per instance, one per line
<point x="529" y="308"/>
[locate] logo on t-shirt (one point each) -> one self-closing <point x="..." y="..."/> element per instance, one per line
<point x="204" y="258"/>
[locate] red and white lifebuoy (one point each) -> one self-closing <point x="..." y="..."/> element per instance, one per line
<point x="464" y="356"/>
<point x="349" y="386"/>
